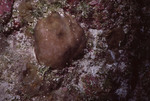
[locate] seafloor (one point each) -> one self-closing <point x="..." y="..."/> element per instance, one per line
<point x="116" y="63"/>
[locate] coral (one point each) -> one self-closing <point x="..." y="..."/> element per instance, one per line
<point x="58" y="40"/>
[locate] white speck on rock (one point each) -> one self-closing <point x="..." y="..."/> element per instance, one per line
<point x="122" y="91"/>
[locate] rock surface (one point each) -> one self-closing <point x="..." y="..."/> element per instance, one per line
<point x="5" y="10"/>
<point x="58" y="40"/>
<point x="3" y="43"/>
<point x="115" y="37"/>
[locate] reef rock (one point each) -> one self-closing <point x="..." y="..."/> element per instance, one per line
<point x="58" y="40"/>
<point x="5" y="10"/>
<point x="115" y="37"/>
<point x="3" y="43"/>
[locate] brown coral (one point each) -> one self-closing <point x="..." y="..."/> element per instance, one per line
<point x="58" y="40"/>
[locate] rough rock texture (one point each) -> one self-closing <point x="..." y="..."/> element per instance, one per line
<point x="5" y="10"/>
<point x="115" y="37"/>
<point x="58" y="40"/>
<point x="3" y="43"/>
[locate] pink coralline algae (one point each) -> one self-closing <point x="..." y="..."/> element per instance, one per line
<point x="94" y="2"/>
<point x="5" y="6"/>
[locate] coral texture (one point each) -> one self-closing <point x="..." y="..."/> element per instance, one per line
<point x="58" y="40"/>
